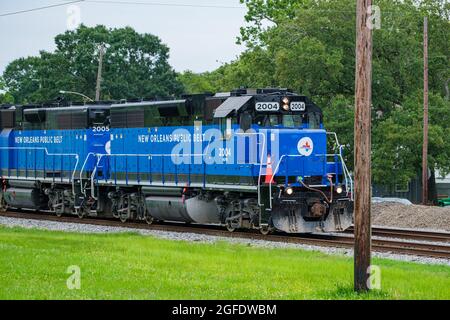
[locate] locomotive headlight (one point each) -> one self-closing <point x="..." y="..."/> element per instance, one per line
<point x="289" y="191"/>
<point x="339" y="189"/>
<point x="285" y="101"/>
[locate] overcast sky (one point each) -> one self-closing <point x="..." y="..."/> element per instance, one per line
<point x="199" y="38"/>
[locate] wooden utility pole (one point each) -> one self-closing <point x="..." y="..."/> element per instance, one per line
<point x="363" y="181"/>
<point x="425" y="114"/>
<point x="99" y="72"/>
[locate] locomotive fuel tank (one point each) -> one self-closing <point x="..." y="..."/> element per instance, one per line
<point x="171" y="208"/>
<point x="24" y="198"/>
<point x="24" y="194"/>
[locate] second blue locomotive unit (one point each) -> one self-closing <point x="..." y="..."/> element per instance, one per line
<point x="244" y="159"/>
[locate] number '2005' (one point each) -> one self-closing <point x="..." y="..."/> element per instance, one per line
<point x="100" y="129"/>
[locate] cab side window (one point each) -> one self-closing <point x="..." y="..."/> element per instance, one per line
<point x="314" y="120"/>
<point x="226" y="125"/>
<point x="245" y="121"/>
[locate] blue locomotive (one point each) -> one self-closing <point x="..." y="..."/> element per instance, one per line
<point x="244" y="159"/>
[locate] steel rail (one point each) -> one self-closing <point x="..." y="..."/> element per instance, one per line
<point x="411" y="234"/>
<point x="441" y="251"/>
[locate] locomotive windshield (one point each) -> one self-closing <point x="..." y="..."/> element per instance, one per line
<point x="311" y="120"/>
<point x="265" y="108"/>
<point x="285" y="110"/>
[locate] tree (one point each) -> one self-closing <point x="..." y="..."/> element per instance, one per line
<point x="309" y="46"/>
<point x="198" y="83"/>
<point x="21" y="78"/>
<point x="339" y="118"/>
<point x="135" y="65"/>
<point x="253" y="69"/>
<point x="397" y="155"/>
<point x="261" y="14"/>
<point x="309" y="67"/>
<point x="5" y="96"/>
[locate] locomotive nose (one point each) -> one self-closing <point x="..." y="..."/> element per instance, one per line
<point x="302" y="153"/>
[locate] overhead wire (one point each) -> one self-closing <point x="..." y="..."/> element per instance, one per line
<point x="165" y="4"/>
<point x="39" y="8"/>
<point x="119" y="2"/>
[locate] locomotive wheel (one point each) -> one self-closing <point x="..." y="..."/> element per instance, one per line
<point x="58" y="214"/>
<point x="230" y="226"/>
<point x="148" y="218"/>
<point x="80" y="213"/>
<point x="145" y="215"/>
<point x="3" y="205"/>
<point x="123" y="218"/>
<point x="265" y="230"/>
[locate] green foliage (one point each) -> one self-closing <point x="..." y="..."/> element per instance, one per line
<point x="260" y="13"/>
<point x="34" y="263"/>
<point x="339" y="118"/>
<point x="5" y="96"/>
<point x="135" y="65"/>
<point x="398" y="139"/>
<point x="309" y="46"/>
<point x="24" y="85"/>
<point x="253" y="69"/>
<point x="198" y="83"/>
<point x="318" y="72"/>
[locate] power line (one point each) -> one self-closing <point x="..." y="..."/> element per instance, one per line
<point x="39" y="8"/>
<point x="165" y="4"/>
<point x="121" y="2"/>
<point x="124" y="3"/>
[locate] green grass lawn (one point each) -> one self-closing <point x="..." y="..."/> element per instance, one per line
<point x="33" y="265"/>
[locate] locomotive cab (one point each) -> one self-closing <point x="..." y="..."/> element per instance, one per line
<point x="304" y="186"/>
<point x="269" y="108"/>
<point x="286" y="111"/>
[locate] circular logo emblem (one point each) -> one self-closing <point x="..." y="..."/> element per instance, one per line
<point x="305" y="146"/>
<point x="108" y="147"/>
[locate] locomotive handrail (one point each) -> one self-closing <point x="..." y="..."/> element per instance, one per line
<point x="76" y="155"/>
<point x="276" y="171"/>
<point x="260" y="160"/>
<point x="346" y="173"/>
<point x="83" y="190"/>
<point x="299" y="156"/>
<point x="347" y="176"/>
<point x="167" y="155"/>
<point x="100" y="156"/>
<point x="335" y="137"/>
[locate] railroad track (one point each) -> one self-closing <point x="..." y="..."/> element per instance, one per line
<point x="344" y="240"/>
<point x="408" y="234"/>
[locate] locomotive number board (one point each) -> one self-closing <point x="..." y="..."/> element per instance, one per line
<point x="298" y="106"/>
<point x="267" y="106"/>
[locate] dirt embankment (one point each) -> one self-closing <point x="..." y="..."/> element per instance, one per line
<point x="410" y="216"/>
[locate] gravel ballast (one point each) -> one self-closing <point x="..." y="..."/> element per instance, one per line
<point x="411" y="216"/>
<point x="194" y="237"/>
